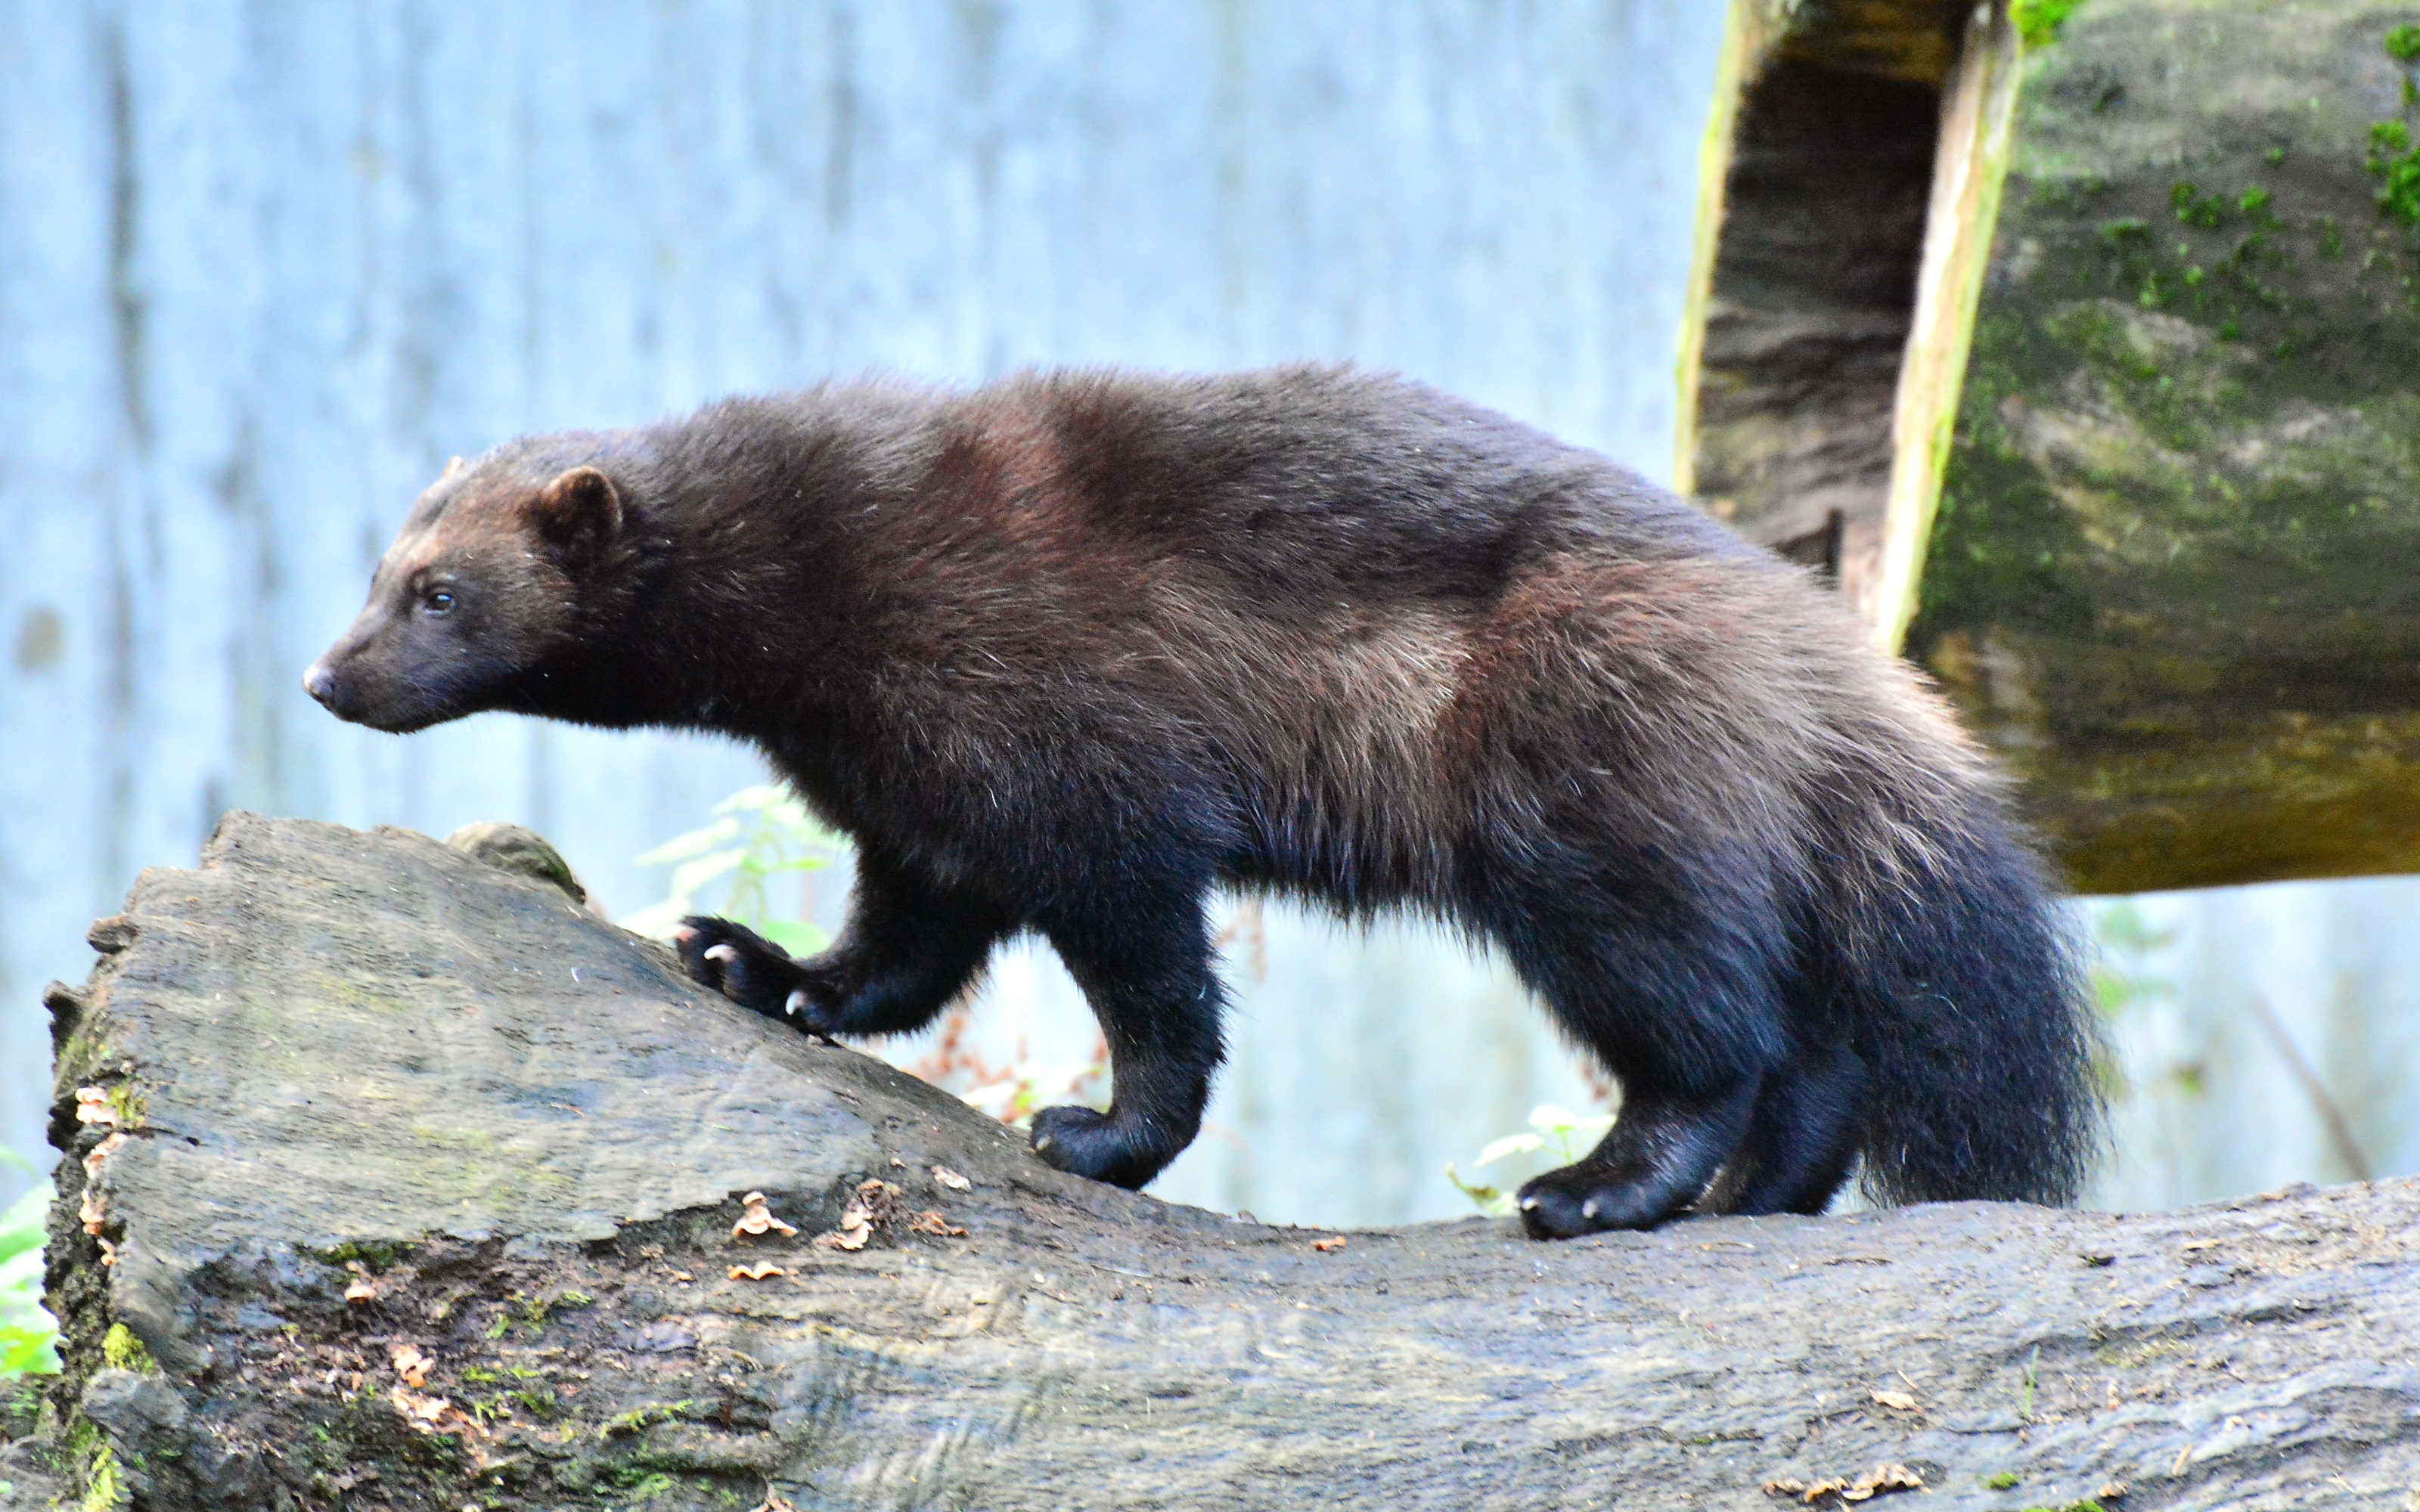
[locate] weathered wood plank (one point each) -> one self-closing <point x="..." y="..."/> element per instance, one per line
<point x="327" y="1047"/>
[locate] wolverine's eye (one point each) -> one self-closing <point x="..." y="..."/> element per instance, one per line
<point x="438" y="601"/>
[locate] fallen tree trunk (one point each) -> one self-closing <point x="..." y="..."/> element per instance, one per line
<point x="396" y="1179"/>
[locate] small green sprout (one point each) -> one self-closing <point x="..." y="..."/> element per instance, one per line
<point x="1546" y="1123"/>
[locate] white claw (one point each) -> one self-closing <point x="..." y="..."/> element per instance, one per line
<point x="1528" y="1204"/>
<point x="798" y="999"/>
<point x="1588" y="1210"/>
<point x="722" y="953"/>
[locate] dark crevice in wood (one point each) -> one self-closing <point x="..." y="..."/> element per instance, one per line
<point x="1814" y="283"/>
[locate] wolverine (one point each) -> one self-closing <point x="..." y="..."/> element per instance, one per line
<point x="1067" y="652"/>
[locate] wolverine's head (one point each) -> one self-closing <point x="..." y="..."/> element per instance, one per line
<point x="490" y="584"/>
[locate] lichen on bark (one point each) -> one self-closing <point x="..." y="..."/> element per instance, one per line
<point x="2173" y="571"/>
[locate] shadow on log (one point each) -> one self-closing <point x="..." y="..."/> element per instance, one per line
<point x="422" y="1185"/>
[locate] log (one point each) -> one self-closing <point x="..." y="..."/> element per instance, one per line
<point x="2125" y="453"/>
<point x="393" y="1179"/>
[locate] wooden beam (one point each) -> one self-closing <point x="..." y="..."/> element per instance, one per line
<point x="2132" y="464"/>
<point x="2175" y="576"/>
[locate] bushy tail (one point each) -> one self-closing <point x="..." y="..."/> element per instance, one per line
<point x="1964" y="989"/>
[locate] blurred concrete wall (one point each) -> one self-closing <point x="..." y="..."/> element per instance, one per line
<point x="2265" y="1036"/>
<point x="265" y="266"/>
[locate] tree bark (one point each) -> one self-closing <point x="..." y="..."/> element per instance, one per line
<point x="2134" y="443"/>
<point x="2172" y="572"/>
<point x="422" y="1182"/>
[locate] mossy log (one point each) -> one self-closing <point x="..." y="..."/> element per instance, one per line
<point x="2135" y="464"/>
<point x="396" y="1179"/>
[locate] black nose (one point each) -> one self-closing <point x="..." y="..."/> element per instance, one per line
<point x="321" y="684"/>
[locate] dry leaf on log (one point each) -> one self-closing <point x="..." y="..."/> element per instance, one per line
<point x="758" y="1220"/>
<point x="951" y="1178"/>
<point x="422" y="1412"/>
<point x="929" y="1222"/>
<point x="1871" y="1483"/>
<point x="759" y="1271"/>
<point x="875" y="1202"/>
<point x="412" y="1365"/>
<point x="1328" y="1246"/>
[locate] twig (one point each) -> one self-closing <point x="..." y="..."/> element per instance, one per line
<point x="2331" y="1116"/>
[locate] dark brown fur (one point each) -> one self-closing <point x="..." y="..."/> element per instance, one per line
<point x="1065" y="653"/>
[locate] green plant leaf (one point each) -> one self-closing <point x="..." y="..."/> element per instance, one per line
<point x="21" y="1226"/>
<point x="696" y="843"/>
<point x="656" y="921"/>
<point x="794" y="936"/>
<point x="28" y="1333"/>
<point x="1519" y="1144"/>
<point x="691" y="875"/>
<point x="1494" y="1203"/>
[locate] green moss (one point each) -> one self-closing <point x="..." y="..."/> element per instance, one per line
<point x="2000" y="1480"/>
<point x="2195" y="208"/>
<point x="95" y="1465"/>
<point x="639" y="1418"/>
<point x="129" y="1104"/>
<point x="2038" y="20"/>
<point x="374" y="1256"/>
<point x="532" y="1312"/>
<point x="120" y="1349"/>
<point x="2398" y="188"/>
<point x="2155" y="514"/>
<point x="2392" y="158"/>
<point x="538" y="1401"/>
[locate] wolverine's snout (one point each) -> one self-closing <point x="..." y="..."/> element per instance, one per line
<point x="355" y="680"/>
<point x="321" y="685"/>
<point x="338" y="694"/>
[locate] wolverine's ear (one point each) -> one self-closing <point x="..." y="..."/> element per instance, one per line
<point x="579" y="513"/>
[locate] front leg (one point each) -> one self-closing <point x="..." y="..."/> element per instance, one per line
<point x="910" y="946"/>
<point x="1145" y="965"/>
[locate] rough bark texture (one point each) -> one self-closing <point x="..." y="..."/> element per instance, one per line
<point x="368" y="1063"/>
<point x="2172" y="575"/>
<point x="2170" y="570"/>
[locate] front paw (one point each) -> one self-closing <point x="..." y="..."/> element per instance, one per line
<point x="1102" y="1145"/>
<point x="750" y="970"/>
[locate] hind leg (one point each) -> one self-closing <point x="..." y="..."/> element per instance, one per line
<point x="1801" y="1141"/>
<point x="1667" y="1143"/>
<point x="1682" y="1009"/>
